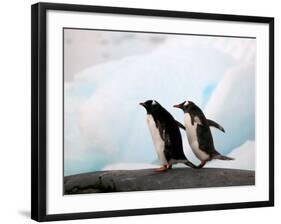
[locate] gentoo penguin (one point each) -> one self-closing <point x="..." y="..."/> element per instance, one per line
<point x="199" y="134"/>
<point x="166" y="136"/>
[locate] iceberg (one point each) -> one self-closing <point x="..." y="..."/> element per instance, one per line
<point x="232" y="104"/>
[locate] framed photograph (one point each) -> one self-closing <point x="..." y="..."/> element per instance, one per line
<point x="141" y="111"/>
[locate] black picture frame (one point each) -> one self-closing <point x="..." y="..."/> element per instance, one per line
<point x="39" y="107"/>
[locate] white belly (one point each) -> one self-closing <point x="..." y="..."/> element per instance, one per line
<point x="192" y="138"/>
<point x="157" y="140"/>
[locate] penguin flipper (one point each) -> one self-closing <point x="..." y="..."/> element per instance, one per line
<point x="205" y="140"/>
<point x="192" y="119"/>
<point x="215" y="124"/>
<point x="180" y="125"/>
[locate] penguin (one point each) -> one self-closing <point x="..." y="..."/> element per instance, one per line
<point x="166" y="136"/>
<point x="199" y="134"/>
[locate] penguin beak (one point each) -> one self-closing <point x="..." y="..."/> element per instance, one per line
<point x="177" y="106"/>
<point x="142" y="104"/>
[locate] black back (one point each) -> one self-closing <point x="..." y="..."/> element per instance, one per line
<point x="169" y="130"/>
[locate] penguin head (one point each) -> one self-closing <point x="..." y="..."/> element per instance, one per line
<point x="185" y="105"/>
<point x="151" y="105"/>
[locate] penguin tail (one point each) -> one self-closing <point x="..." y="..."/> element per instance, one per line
<point x="190" y="164"/>
<point x="222" y="157"/>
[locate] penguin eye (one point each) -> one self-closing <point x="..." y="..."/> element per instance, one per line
<point x="154" y="103"/>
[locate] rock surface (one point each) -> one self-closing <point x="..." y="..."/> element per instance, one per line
<point x="148" y="179"/>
